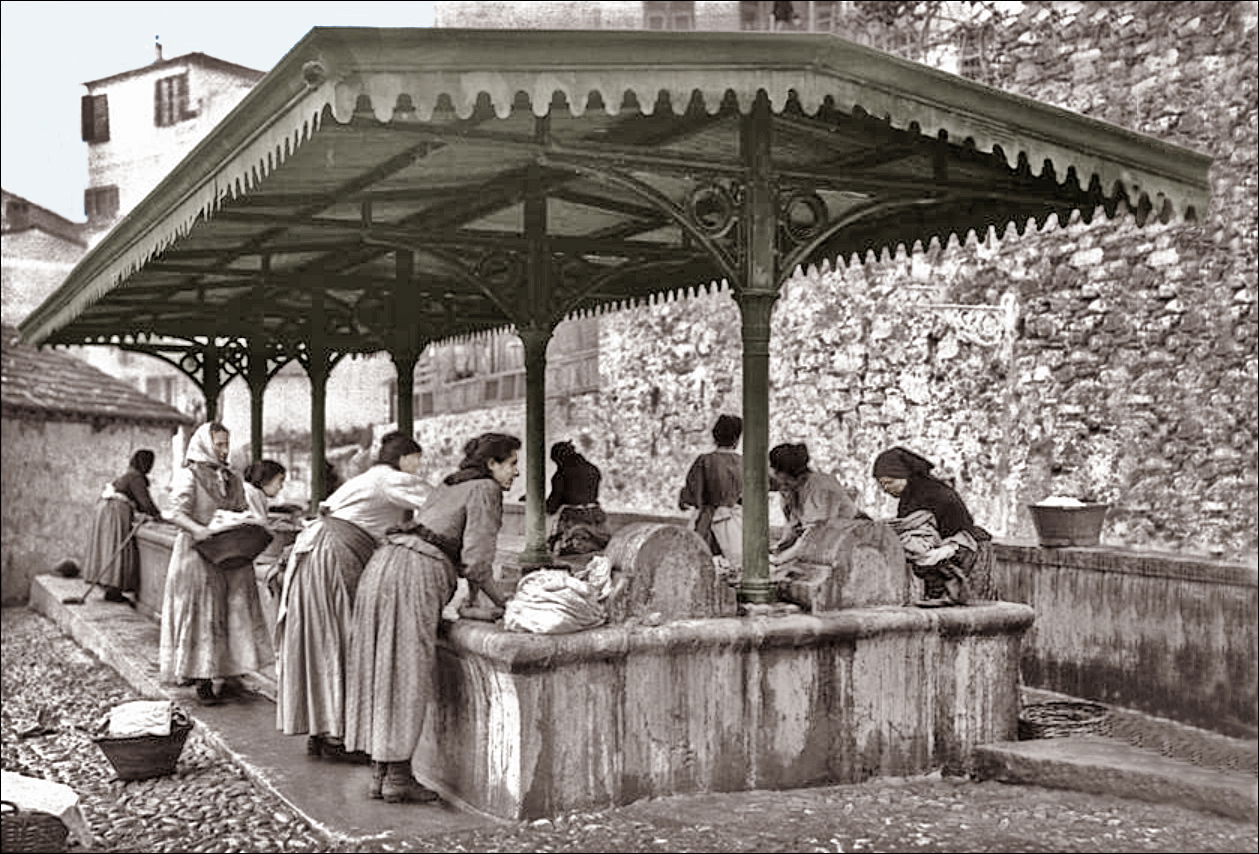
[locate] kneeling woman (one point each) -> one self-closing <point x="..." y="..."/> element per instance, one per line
<point x="393" y="647"/>
<point x="943" y="545"/>
<point x="312" y="628"/>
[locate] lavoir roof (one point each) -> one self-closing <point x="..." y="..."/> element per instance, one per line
<point x="446" y="165"/>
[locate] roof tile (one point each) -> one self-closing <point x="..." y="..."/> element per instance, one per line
<point x="62" y="387"/>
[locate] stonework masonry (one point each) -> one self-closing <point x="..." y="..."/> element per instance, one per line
<point x="53" y="474"/>
<point x="1107" y="361"/>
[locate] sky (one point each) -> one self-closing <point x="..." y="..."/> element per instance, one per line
<point x="49" y="49"/>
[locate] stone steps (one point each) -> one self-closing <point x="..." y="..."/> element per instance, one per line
<point x="1110" y="766"/>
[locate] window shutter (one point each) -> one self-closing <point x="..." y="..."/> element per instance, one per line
<point x="94" y="118"/>
<point x="86" y="121"/>
<point x="157" y="103"/>
<point x="100" y="110"/>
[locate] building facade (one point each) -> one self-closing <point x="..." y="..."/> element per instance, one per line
<point x="38" y="249"/>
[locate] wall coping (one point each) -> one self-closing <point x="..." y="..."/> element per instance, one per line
<point x="1130" y="562"/>
<point x="517" y="652"/>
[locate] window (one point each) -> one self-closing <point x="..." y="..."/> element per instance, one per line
<point x="669" y="16"/>
<point x="160" y="388"/>
<point x="170" y="100"/>
<point x="94" y="115"/>
<point x="100" y="203"/>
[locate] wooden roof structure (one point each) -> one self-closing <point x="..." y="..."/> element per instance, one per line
<point x="381" y="189"/>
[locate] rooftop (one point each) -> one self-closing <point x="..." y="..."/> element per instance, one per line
<point x="46" y="384"/>
<point x="21" y="214"/>
<point x="195" y="58"/>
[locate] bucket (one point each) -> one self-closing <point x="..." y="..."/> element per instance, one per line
<point x="1068" y="526"/>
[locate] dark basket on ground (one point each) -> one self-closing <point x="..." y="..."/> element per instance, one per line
<point x="1069" y="526"/>
<point x="234" y="547"/>
<point x="138" y="757"/>
<point x="1063" y="719"/>
<point x="30" y="830"/>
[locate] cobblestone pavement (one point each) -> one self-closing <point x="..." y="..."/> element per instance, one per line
<point x="210" y="806"/>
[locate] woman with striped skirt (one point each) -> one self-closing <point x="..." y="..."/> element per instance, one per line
<point x="312" y="630"/>
<point x="393" y="649"/>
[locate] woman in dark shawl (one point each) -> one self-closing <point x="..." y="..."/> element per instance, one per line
<point x="113" y="558"/>
<point x="392" y="665"/>
<point x="581" y="526"/>
<point x="925" y="503"/>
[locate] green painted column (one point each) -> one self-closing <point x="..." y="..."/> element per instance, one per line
<point x="756" y="295"/>
<point x="535" y="326"/>
<point x="317" y="369"/>
<point x="404" y="352"/>
<point x="257" y="381"/>
<point x="535" y="340"/>
<point x="211" y="380"/>
<point x="404" y="368"/>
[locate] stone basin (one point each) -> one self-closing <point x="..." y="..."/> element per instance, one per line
<point x="529" y="726"/>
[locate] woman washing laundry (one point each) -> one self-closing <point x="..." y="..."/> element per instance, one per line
<point x="945" y="548"/>
<point x="581" y="526"/>
<point x="393" y="650"/>
<point x="113" y="558"/>
<point x="312" y="632"/>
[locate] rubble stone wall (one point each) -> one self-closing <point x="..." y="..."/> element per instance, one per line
<point x="53" y="474"/>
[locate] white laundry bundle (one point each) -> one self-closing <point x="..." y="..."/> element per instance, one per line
<point x="140" y="717"/>
<point x="550" y="601"/>
<point x="224" y="519"/>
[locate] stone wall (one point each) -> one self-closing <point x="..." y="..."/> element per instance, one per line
<point x="35" y="264"/>
<point x="1170" y="636"/>
<point x="1136" y="360"/>
<point x="52" y="476"/>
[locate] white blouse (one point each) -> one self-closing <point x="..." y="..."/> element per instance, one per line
<point x="377" y="499"/>
<point x="256" y="503"/>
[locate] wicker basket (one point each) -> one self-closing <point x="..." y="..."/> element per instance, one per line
<point x="234" y="547"/>
<point x="1063" y="719"/>
<point x="30" y="830"/>
<point x="138" y="757"/>
<point x="1068" y="526"/>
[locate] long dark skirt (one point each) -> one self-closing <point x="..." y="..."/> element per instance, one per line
<point x="105" y="562"/>
<point x="312" y="636"/>
<point x="393" y="648"/>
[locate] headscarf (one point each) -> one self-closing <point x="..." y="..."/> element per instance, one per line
<point x="201" y="453"/>
<point x="901" y="462"/>
<point x="142" y="461"/>
<point x="561" y="452"/>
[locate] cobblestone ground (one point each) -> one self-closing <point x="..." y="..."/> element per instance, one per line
<point x="209" y="806"/>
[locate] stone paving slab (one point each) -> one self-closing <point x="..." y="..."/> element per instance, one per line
<point x="1108" y="766"/>
<point x="331" y="797"/>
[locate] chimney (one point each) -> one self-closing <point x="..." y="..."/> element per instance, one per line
<point x="157" y="49"/>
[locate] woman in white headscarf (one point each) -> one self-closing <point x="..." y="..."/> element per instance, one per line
<point x="212" y="622"/>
